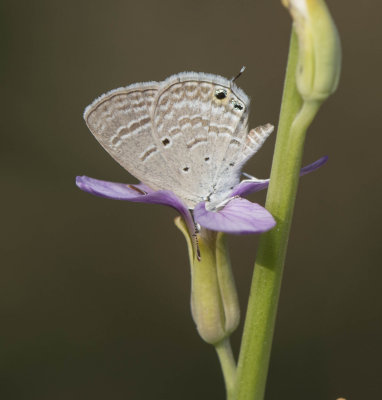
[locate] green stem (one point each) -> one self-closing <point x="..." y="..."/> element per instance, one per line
<point x="228" y="365"/>
<point x="295" y="117"/>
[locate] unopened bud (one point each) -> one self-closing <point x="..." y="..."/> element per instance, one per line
<point x="214" y="301"/>
<point x="319" y="58"/>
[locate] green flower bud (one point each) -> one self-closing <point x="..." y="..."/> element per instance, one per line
<point x="319" y="59"/>
<point x="214" y="301"/>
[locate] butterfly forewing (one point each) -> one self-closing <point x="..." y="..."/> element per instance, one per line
<point x="121" y="121"/>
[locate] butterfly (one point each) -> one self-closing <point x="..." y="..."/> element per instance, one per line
<point x="187" y="134"/>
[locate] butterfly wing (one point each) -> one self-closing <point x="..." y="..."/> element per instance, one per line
<point x="200" y="130"/>
<point x="187" y="134"/>
<point x="121" y="121"/>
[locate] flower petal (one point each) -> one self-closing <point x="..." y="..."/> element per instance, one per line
<point x="239" y="216"/>
<point x="138" y="193"/>
<point x="112" y="190"/>
<point x="312" y="167"/>
<point x="248" y="186"/>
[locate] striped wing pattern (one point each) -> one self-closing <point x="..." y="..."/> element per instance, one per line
<point x="187" y="134"/>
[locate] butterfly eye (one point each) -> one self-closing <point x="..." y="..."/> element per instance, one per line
<point x="220" y="94"/>
<point x="237" y="105"/>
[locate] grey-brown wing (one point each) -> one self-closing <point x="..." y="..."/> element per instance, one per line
<point x="121" y="122"/>
<point x="196" y="127"/>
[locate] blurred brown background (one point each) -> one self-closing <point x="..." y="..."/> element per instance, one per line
<point x="94" y="297"/>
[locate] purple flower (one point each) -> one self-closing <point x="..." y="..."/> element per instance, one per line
<point x="234" y="215"/>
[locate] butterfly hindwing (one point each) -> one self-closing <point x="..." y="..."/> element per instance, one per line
<point x="197" y="127"/>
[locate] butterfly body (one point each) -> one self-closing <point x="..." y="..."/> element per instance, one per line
<point x="187" y="134"/>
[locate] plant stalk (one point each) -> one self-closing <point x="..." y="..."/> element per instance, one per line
<point x="228" y="365"/>
<point x="295" y="117"/>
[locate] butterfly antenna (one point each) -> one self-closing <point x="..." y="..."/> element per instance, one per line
<point x="195" y="237"/>
<point x="239" y="74"/>
<point x="198" y="256"/>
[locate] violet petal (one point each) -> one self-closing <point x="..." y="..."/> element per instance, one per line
<point x="142" y="194"/>
<point x="248" y="186"/>
<point x="312" y="167"/>
<point x="239" y="216"/>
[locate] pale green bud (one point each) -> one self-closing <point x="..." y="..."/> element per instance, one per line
<point x="319" y="57"/>
<point x="214" y="301"/>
